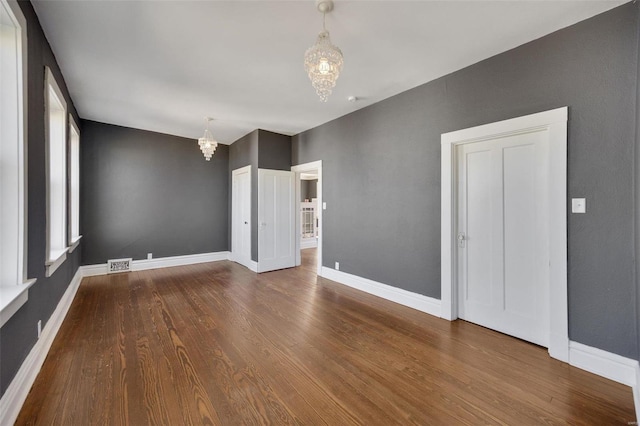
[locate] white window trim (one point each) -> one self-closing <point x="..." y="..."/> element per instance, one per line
<point x="74" y="240"/>
<point x="55" y="258"/>
<point x="73" y="244"/>
<point x="12" y="297"/>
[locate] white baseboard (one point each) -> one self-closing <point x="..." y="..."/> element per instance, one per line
<point x="166" y="262"/>
<point x="19" y="388"/>
<point x="253" y="265"/>
<point x="606" y="364"/>
<point x="416" y="301"/>
<point x="161" y="262"/>
<point x="93" y="270"/>
<point x="306" y="243"/>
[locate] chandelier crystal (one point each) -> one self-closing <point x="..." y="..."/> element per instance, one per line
<point x="207" y="143"/>
<point x="323" y="61"/>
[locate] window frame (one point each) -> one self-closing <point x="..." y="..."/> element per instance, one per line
<point x="15" y="294"/>
<point x="57" y="230"/>
<point x="74" y="185"/>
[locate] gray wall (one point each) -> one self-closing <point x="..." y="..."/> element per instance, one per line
<point x="308" y="189"/>
<point x="19" y="334"/>
<point x="144" y="192"/>
<point x="244" y="152"/>
<point x="259" y="149"/>
<point x="637" y="185"/>
<point x="385" y="160"/>
<point x="274" y="151"/>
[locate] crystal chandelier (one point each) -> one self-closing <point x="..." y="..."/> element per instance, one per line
<point x="207" y="143"/>
<point x="323" y="61"/>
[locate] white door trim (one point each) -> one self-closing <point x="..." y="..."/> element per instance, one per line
<point x="233" y="255"/>
<point x="555" y="123"/>
<point x="306" y="167"/>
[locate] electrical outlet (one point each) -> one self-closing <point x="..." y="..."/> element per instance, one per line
<point x="39" y="328"/>
<point x="337" y="266"/>
<point x="149" y="256"/>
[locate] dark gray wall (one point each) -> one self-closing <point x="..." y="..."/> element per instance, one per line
<point x="259" y="149"/>
<point x="19" y="334"/>
<point x="244" y="152"/>
<point x="385" y="160"/>
<point x="274" y="151"/>
<point x="637" y="185"/>
<point x="308" y="189"/>
<point x="144" y="192"/>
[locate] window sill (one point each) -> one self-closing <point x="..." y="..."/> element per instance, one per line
<point x="12" y="298"/>
<point x="57" y="258"/>
<point x="74" y="243"/>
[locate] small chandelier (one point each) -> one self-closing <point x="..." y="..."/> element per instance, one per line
<point x="207" y="143"/>
<point x="323" y="61"/>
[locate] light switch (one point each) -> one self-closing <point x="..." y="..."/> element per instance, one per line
<point x="324" y="206"/>
<point x="578" y="205"/>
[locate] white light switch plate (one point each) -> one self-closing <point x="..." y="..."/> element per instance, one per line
<point x="578" y="205"/>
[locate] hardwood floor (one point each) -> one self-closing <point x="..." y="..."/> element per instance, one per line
<point x="217" y="344"/>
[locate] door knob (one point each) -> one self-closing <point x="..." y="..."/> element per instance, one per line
<point x="461" y="239"/>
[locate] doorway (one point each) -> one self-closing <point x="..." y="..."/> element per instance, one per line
<point x="491" y="184"/>
<point x="305" y="234"/>
<point x="241" y="217"/>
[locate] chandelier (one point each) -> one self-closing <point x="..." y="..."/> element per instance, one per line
<point x="323" y="61"/>
<point x="207" y="143"/>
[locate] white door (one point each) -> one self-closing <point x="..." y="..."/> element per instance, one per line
<point x="276" y="220"/>
<point x="503" y="245"/>
<point x="241" y="216"/>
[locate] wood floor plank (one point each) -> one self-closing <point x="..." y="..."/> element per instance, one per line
<point x="218" y="344"/>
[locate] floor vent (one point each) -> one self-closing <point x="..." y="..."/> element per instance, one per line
<point x="118" y="265"/>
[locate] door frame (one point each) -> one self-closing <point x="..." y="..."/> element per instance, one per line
<point x="266" y="265"/>
<point x="554" y="123"/>
<point x="234" y="220"/>
<point x="301" y="168"/>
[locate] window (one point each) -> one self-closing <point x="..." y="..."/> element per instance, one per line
<point x="74" y="184"/>
<point x="13" y="86"/>
<point x="56" y="151"/>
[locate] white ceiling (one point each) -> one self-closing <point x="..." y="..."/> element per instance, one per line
<point x="165" y="65"/>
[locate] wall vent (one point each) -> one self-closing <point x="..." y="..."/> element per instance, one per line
<point x="118" y="265"/>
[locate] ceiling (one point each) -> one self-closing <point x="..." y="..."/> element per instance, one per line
<point x="165" y="65"/>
